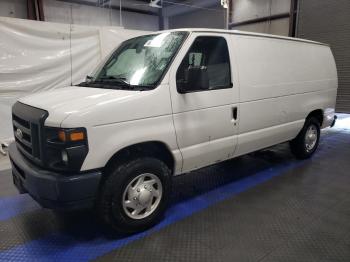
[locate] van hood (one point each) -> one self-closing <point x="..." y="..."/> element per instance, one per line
<point x="62" y="102"/>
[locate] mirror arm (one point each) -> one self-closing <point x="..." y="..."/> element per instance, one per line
<point x="180" y="89"/>
<point x="88" y="78"/>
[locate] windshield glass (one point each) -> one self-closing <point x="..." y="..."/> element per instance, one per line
<point x="139" y="62"/>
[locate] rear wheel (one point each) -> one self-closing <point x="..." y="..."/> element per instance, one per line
<point x="135" y="195"/>
<point x="306" y="143"/>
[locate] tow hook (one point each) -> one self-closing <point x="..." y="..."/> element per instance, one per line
<point x="335" y="119"/>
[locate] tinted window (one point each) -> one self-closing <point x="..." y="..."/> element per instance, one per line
<point x="206" y="66"/>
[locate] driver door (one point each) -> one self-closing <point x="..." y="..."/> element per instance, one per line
<point x="204" y="97"/>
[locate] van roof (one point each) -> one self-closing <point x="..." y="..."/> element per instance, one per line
<point x="238" y="32"/>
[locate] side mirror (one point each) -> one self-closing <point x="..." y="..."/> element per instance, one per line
<point x="197" y="79"/>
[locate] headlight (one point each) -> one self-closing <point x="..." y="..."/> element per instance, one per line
<point x="66" y="148"/>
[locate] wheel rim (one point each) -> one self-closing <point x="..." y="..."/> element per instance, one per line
<point x="142" y="196"/>
<point x="311" y="136"/>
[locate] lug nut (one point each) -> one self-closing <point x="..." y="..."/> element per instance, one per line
<point x="138" y="190"/>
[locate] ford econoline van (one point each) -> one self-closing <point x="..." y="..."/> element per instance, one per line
<point x="165" y="104"/>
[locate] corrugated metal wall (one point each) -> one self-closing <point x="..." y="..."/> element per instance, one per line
<point x="243" y="11"/>
<point x="328" y="21"/>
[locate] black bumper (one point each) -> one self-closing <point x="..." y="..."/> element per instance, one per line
<point x="54" y="190"/>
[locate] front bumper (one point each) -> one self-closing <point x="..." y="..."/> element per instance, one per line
<point x="51" y="189"/>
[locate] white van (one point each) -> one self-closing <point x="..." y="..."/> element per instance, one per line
<point x="166" y="104"/>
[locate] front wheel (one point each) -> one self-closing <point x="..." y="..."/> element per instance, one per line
<point x="306" y="143"/>
<point x="135" y="195"/>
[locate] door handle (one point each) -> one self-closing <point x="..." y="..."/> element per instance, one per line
<point x="234" y="113"/>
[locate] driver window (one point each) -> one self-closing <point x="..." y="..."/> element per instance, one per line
<point x="195" y="59"/>
<point x="206" y="66"/>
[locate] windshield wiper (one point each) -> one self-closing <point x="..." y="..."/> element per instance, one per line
<point x="113" y="79"/>
<point x="107" y="81"/>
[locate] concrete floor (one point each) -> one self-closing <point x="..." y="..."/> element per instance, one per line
<point x="266" y="206"/>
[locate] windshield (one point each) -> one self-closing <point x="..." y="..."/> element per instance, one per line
<point x="138" y="62"/>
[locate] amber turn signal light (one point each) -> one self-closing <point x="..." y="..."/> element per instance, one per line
<point x="76" y="136"/>
<point x="71" y="136"/>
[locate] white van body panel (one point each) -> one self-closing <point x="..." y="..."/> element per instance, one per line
<point x="206" y="132"/>
<point x="281" y="82"/>
<point x="277" y="82"/>
<point x="118" y="123"/>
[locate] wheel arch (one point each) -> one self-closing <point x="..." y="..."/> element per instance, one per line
<point x="155" y="149"/>
<point x="318" y="114"/>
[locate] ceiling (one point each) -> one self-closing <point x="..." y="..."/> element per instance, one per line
<point x="170" y="7"/>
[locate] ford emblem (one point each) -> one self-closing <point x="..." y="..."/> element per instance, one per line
<point x="19" y="133"/>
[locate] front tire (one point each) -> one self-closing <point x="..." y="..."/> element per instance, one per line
<point x="306" y="143"/>
<point x="135" y="195"/>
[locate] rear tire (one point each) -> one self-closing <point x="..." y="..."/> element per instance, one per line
<point x="142" y="185"/>
<point x="306" y="143"/>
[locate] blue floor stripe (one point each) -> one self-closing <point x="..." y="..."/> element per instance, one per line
<point x="16" y="205"/>
<point x="63" y="247"/>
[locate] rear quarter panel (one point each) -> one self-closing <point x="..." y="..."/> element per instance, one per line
<point x="281" y="82"/>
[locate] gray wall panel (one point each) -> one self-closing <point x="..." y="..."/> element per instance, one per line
<point x="275" y="27"/>
<point x="214" y="18"/>
<point x="244" y="10"/>
<point x="328" y="21"/>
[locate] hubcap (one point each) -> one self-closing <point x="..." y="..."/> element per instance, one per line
<point x="310" y="138"/>
<point x="142" y="196"/>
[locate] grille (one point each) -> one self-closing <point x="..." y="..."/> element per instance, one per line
<point x="24" y="136"/>
<point x="28" y="130"/>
